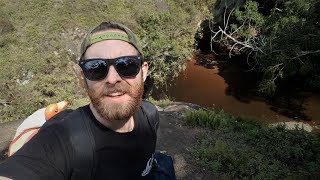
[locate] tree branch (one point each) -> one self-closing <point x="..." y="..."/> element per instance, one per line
<point x="305" y="53"/>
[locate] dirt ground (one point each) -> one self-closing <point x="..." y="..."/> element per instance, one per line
<point x="179" y="140"/>
<point x="174" y="138"/>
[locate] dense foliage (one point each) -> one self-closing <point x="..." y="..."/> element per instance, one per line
<point x="291" y="47"/>
<point x="40" y="48"/>
<point x="283" y="40"/>
<point x="246" y="149"/>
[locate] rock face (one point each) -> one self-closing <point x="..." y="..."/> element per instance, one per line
<point x="179" y="140"/>
<point x="292" y="125"/>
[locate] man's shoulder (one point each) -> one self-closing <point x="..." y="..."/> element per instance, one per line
<point x="148" y="106"/>
<point x="67" y="117"/>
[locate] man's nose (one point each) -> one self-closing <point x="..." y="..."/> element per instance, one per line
<point x="113" y="77"/>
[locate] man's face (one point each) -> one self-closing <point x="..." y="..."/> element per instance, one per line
<point x="114" y="97"/>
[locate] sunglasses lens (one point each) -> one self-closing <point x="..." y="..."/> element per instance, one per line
<point x="128" y="66"/>
<point x="95" y="70"/>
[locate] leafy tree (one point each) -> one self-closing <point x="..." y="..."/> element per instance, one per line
<point x="284" y="42"/>
<point x="292" y="45"/>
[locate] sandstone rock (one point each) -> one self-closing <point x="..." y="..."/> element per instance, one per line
<point x="180" y="107"/>
<point x="292" y="125"/>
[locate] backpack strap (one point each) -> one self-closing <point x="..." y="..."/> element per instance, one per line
<point x="152" y="114"/>
<point x="83" y="164"/>
<point x="159" y="166"/>
<point x="78" y="128"/>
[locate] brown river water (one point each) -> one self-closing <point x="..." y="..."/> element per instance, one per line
<point x="229" y="89"/>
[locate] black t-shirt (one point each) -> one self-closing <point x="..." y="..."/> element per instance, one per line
<point x="48" y="155"/>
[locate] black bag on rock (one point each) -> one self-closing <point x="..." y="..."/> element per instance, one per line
<point x="160" y="167"/>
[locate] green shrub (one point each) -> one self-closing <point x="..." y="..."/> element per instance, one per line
<point x="162" y="102"/>
<point x="247" y="149"/>
<point x="284" y="43"/>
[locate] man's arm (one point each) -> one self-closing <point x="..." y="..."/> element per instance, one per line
<point x="45" y="156"/>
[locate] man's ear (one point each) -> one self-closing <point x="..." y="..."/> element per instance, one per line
<point x="144" y="69"/>
<point x="82" y="79"/>
<point x="82" y="75"/>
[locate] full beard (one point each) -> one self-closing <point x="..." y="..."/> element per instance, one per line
<point x="115" y="111"/>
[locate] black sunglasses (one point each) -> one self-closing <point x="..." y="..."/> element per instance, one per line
<point x="98" y="68"/>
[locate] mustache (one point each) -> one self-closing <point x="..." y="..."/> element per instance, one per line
<point x="116" y="88"/>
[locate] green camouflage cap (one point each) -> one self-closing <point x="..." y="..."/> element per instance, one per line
<point x="92" y="37"/>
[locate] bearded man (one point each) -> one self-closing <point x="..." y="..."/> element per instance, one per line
<point x="114" y="136"/>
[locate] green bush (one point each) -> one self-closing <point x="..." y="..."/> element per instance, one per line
<point x="292" y="44"/>
<point x="162" y="102"/>
<point x="283" y="43"/>
<point x="247" y="149"/>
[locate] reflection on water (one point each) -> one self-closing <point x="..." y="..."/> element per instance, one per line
<point x="231" y="89"/>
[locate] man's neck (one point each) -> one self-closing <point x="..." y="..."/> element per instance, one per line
<point x="120" y="126"/>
